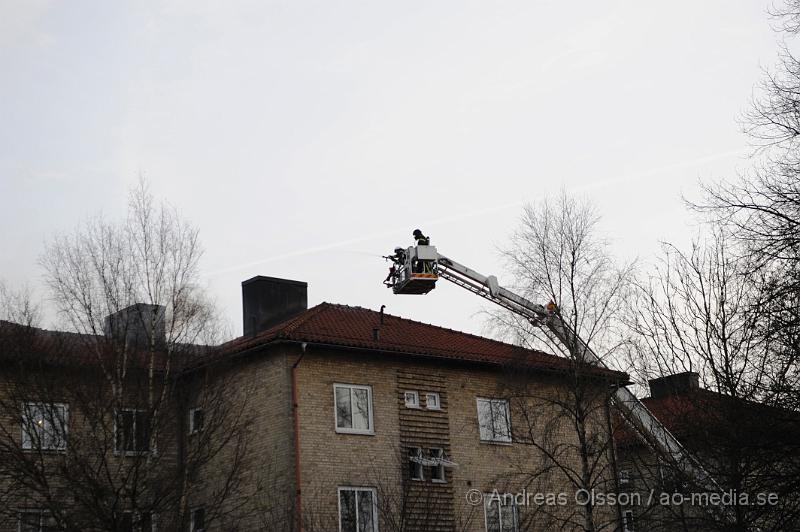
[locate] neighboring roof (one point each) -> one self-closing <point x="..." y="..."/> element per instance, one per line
<point x="23" y="343"/>
<point x="352" y="327"/>
<point x="686" y="415"/>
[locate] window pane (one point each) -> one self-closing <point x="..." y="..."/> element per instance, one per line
<point x="197" y="420"/>
<point x="492" y="514"/>
<point x="199" y="519"/>
<point x="365" y="512"/>
<point x="437" y="472"/>
<point x="500" y="420"/>
<point x="29" y="521"/>
<point x="507" y="518"/>
<point x="126" y="523"/>
<point x="142" y="431"/>
<point x="55" y="427"/>
<point x="361" y="409"/>
<point x="432" y="400"/>
<point x="31" y="426"/>
<point x="485" y="419"/>
<point x="347" y="510"/>
<point x="146" y="522"/>
<point x="49" y="523"/>
<point x="415" y="468"/>
<point x="124" y="431"/>
<point x="344" y="417"/>
<point x="412" y="399"/>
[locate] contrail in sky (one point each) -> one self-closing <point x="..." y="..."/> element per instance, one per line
<point x="633" y="176"/>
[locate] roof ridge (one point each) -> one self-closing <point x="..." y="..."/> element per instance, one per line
<point x="296" y="321"/>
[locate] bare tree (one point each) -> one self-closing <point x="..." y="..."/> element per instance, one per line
<point x="558" y="254"/>
<point x="700" y="311"/>
<point x="706" y="311"/>
<point x="94" y="422"/>
<point x="762" y="208"/>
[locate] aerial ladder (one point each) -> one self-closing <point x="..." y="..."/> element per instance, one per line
<point x="416" y="270"/>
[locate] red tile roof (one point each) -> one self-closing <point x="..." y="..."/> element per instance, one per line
<point x="341" y="325"/>
<point x="687" y="415"/>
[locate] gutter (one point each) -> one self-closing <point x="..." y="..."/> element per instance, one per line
<point x="392" y="352"/>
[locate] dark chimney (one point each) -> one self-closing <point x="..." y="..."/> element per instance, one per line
<point x="677" y="384"/>
<point x="138" y="325"/>
<point x="267" y="301"/>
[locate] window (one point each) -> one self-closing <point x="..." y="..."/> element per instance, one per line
<point x="198" y="520"/>
<point x="36" y="521"/>
<point x="437" y="470"/>
<point x="624" y="477"/>
<point x="501" y="514"/>
<point x="627" y="521"/>
<point x="138" y="522"/>
<point x="44" y="426"/>
<point x="415" y="465"/>
<point x="432" y="401"/>
<point x="353" y="408"/>
<point x="196" y="419"/>
<point x="493" y="420"/>
<point x="358" y="510"/>
<point x="412" y="399"/>
<point x="132" y="431"/>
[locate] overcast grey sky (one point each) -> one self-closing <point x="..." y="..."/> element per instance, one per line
<point x="305" y="139"/>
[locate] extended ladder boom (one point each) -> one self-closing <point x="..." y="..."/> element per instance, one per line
<point x="421" y="266"/>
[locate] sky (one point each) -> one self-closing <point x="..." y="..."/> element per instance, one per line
<point x="307" y="139"/>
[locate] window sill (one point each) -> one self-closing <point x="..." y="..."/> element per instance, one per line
<point x="44" y="451"/>
<point x="356" y="432"/>
<point x="132" y="454"/>
<point x="497" y="442"/>
<point x="411" y="407"/>
<point x="437" y="481"/>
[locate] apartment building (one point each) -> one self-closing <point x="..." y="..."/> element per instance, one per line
<point x="352" y="419"/>
<point x="750" y="450"/>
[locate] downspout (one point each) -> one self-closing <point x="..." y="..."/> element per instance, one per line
<point x="295" y="413"/>
<point x="614" y="463"/>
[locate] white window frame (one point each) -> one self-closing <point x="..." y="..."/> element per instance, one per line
<point x="344" y="430"/>
<point x="339" y="491"/>
<point x="628" y="524"/>
<point x="494" y="437"/>
<point x="123" y="452"/>
<point x="191" y="519"/>
<point x="192" y="428"/>
<point x="437" y="452"/>
<point x="42" y="515"/>
<point x="413" y="393"/>
<point x="27" y="441"/>
<point x="488" y="499"/>
<point x="438" y="397"/>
